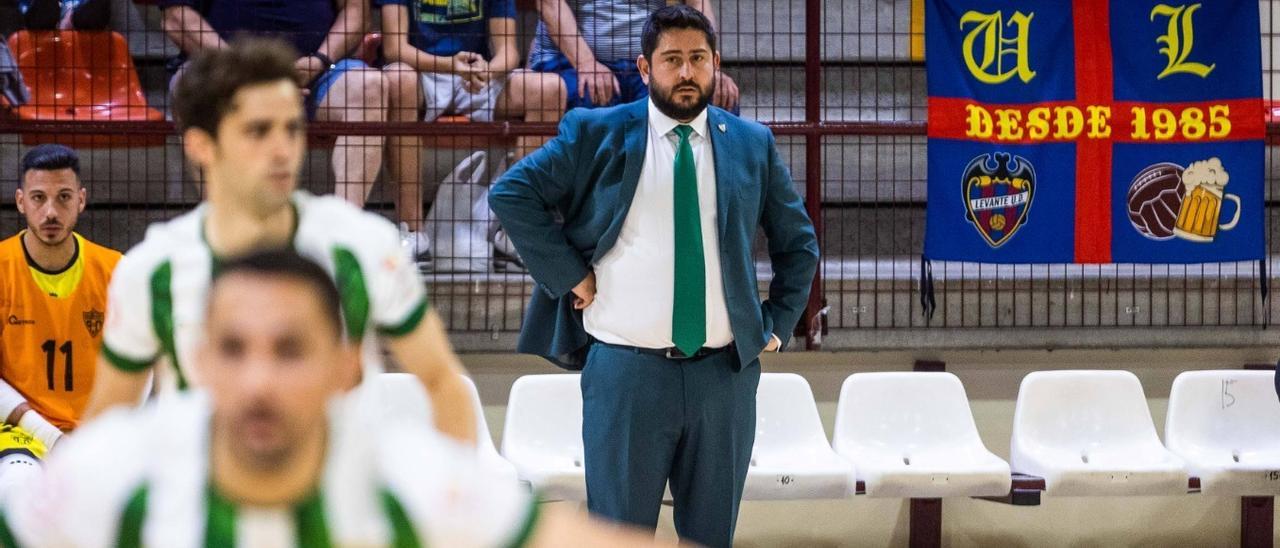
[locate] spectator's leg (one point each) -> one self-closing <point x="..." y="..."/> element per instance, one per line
<point x="629" y="81"/>
<point x="357" y="94"/>
<point x="89" y="15"/>
<point x="404" y="167"/>
<point x="535" y="96"/>
<point x="569" y="78"/>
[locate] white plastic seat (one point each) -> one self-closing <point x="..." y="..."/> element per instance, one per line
<point x="400" y="396"/>
<point x="489" y="456"/>
<point x="397" y="396"/>
<point x="542" y="435"/>
<point x="912" y="435"/>
<point x="1090" y="433"/>
<point x="791" y="458"/>
<point x="1226" y="425"/>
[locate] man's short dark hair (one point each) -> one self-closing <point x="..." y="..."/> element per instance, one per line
<point x="286" y="264"/>
<point x="50" y="157"/>
<point x="202" y="96"/>
<point x="676" y="16"/>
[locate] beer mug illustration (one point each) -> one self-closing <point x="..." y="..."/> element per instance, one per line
<point x="1198" y="218"/>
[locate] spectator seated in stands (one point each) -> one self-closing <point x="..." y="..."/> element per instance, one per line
<point x="593" y="46"/>
<point x="465" y="56"/>
<point x="337" y="88"/>
<point x="65" y="14"/>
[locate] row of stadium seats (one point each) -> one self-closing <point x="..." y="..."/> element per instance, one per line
<point x="79" y="76"/>
<point x="89" y="76"/>
<point x="912" y="435"/>
<point x="768" y="31"/>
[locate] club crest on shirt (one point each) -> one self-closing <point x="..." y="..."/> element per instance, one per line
<point x="93" y="321"/>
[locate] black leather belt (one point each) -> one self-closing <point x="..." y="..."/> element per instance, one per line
<point x="671" y="353"/>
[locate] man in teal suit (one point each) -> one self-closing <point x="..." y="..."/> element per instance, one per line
<point x="636" y="223"/>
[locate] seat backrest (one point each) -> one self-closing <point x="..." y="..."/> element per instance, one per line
<point x="399" y="395"/>
<point x="482" y="425"/>
<point x="544" y="412"/>
<point x="1234" y="410"/>
<point x="1080" y="409"/>
<point x="77" y="68"/>
<point x="903" y="410"/>
<point x="786" y="413"/>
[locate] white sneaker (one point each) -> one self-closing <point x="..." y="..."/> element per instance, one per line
<point x="418" y="244"/>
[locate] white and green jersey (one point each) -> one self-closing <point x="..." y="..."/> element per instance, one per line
<point x="157" y="297"/>
<point x="140" y="477"/>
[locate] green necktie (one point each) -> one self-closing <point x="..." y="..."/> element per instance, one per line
<point x="689" y="313"/>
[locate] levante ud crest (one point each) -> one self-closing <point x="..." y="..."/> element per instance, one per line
<point x="997" y="195"/>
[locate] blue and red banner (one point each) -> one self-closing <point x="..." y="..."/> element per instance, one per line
<point x="1094" y="131"/>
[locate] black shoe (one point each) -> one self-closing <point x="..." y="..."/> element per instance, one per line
<point x="510" y="264"/>
<point x="505" y="258"/>
<point x="426" y="262"/>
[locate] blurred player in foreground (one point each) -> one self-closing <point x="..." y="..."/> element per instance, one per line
<point x="273" y="453"/>
<point x="242" y="121"/>
<point x="53" y="293"/>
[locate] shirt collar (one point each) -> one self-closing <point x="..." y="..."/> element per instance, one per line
<point x="663" y="124"/>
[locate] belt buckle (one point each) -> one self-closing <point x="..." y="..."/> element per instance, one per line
<point x="671" y="356"/>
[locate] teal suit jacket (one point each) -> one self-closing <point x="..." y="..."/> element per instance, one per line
<point x="563" y="207"/>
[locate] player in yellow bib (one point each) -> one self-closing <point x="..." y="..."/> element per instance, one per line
<point x="53" y="297"/>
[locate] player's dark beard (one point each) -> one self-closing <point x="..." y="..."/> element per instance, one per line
<point x="662" y="99"/>
<point x="57" y="240"/>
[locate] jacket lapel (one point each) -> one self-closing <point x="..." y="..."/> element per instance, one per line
<point x="633" y="149"/>
<point x="720" y="156"/>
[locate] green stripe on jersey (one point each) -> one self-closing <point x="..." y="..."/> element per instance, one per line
<point x="220" y="521"/>
<point x="310" y="525"/>
<point x="162" y="316"/>
<point x="312" y="529"/>
<point x="409" y="324"/>
<point x="135" y="513"/>
<point x="526" y="530"/>
<point x="122" y="363"/>
<point x="403" y="534"/>
<point x="353" y="290"/>
<point x="7" y="540"/>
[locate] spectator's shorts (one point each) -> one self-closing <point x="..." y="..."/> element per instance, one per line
<point x="443" y="94"/>
<point x="319" y="88"/>
<point x="323" y="83"/>
<point x="630" y="84"/>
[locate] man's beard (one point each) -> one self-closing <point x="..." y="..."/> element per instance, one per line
<point x="54" y="241"/>
<point x="274" y="457"/>
<point x="662" y="99"/>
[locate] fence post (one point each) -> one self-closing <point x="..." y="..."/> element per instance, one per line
<point x="812" y="321"/>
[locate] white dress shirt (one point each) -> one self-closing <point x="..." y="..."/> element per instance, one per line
<point x="635" y="280"/>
